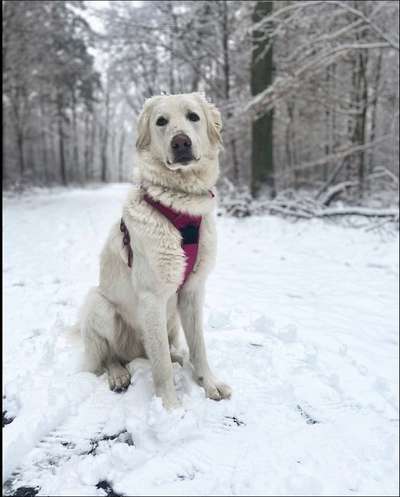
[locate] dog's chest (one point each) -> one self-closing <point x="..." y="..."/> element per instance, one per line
<point x="169" y="264"/>
<point x="173" y="248"/>
<point x="158" y="257"/>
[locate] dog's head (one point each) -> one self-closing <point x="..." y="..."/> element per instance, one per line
<point x="181" y="132"/>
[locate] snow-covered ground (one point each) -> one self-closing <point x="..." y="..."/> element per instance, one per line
<point x="301" y="320"/>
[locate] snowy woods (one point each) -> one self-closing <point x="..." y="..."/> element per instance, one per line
<point x="308" y="90"/>
<point x="301" y="318"/>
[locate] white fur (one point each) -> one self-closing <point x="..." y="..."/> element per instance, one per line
<point x="137" y="312"/>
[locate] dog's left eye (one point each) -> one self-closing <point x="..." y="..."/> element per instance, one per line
<point x="161" y="121"/>
<point x="192" y="116"/>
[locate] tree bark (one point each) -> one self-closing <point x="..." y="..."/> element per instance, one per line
<point x="327" y="147"/>
<point x="262" y="128"/>
<point x="86" y="147"/>
<point x="43" y="140"/>
<point x="363" y="121"/>
<point x="361" y="98"/>
<point x="225" y="44"/>
<point x="374" y="111"/>
<point x="91" y="163"/>
<point x="173" y="29"/>
<point x="21" y="156"/>
<point x="289" y="138"/>
<point x="17" y="106"/>
<point x="76" y="168"/>
<point x="61" y="147"/>
<point x="121" y="156"/>
<point x="105" y="136"/>
<point x="53" y="150"/>
<point x="227" y="83"/>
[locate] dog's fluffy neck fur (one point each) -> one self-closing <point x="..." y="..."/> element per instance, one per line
<point x="185" y="191"/>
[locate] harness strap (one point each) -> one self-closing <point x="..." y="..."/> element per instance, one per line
<point x="187" y="225"/>
<point x="126" y="240"/>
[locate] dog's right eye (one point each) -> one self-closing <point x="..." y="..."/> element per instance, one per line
<point x="161" y="121"/>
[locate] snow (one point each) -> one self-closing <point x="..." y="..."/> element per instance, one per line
<point x="301" y="319"/>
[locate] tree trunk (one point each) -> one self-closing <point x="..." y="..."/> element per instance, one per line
<point x="121" y="156"/>
<point x="363" y="120"/>
<point x="289" y="138"/>
<point x="44" y="142"/>
<point x="21" y="156"/>
<point x="333" y="138"/>
<point x="262" y="128"/>
<point x="63" y="172"/>
<point x="173" y="29"/>
<point x="105" y="137"/>
<point x="361" y="100"/>
<point x="372" y="133"/>
<point x="227" y="84"/>
<point x="18" y="118"/>
<point x="53" y="150"/>
<point x="113" y="154"/>
<point x="31" y="159"/>
<point x="327" y="123"/>
<point x="92" y="160"/>
<point x="225" y="44"/>
<point x="352" y="122"/>
<point x="86" y="149"/>
<point x="76" y="168"/>
<point x="195" y="81"/>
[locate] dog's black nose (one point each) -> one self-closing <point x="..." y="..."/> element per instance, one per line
<point x="181" y="143"/>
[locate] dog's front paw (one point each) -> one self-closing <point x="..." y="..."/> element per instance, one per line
<point x="215" y="389"/>
<point x="119" y="378"/>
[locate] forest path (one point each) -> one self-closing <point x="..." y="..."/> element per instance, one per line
<point x="300" y="319"/>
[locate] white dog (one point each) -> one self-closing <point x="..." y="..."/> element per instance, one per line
<point x="155" y="262"/>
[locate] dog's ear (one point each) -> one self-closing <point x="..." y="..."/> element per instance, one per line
<point x="143" y="124"/>
<point x="214" y="121"/>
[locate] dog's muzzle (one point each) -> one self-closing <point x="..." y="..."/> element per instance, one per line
<point x="181" y="146"/>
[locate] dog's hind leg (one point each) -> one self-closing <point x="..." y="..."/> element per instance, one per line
<point x="99" y="324"/>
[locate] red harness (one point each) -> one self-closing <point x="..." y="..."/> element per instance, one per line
<point x="187" y="225"/>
